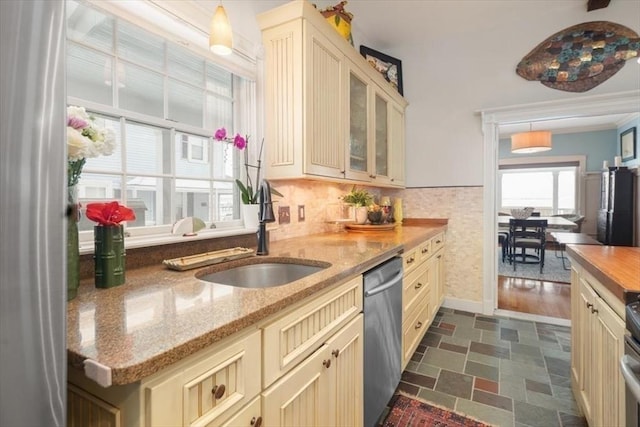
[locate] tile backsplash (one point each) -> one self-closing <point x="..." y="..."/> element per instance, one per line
<point x="461" y="205"/>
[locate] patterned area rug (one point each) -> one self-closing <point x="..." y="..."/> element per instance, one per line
<point x="410" y="412"/>
<point x="552" y="272"/>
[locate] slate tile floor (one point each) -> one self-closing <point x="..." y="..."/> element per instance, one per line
<point x="503" y="371"/>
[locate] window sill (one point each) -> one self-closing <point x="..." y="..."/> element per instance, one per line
<point x="133" y="242"/>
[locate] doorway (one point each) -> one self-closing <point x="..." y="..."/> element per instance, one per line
<point x="492" y="120"/>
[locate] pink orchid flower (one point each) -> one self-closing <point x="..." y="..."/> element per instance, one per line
<point x="220" y="134"/>
<point x="239" y="142"/>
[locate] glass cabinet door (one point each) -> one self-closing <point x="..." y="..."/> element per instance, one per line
<point x="358" y="124"/>
<point x="382" y="135"/>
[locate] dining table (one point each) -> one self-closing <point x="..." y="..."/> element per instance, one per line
<point x="553" y="222"/>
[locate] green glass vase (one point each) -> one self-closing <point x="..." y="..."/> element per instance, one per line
<point x="109" y="255"/>
<point x="73" y="248"/>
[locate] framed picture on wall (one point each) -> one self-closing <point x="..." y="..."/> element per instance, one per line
<point x="628" y="144"/>
<point x="389" y="67"/>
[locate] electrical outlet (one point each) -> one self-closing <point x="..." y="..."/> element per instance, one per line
<point x="300" y="213"/>
<point x="284" y="217"/>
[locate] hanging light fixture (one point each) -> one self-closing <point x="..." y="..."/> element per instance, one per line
<point x="220" y="36"/>
<point x="531" y="142"/>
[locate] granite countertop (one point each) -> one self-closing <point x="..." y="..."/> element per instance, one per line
<point x="616" y="267"/>
<point x="159" y="316"/>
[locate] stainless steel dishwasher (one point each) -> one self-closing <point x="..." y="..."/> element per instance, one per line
<point x="382" y="337"/>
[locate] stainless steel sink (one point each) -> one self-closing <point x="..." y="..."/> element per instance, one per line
<point x="266" y="273"/>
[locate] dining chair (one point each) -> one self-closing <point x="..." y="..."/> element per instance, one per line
<point x="527" y="234"/>
<point x="503" y="241"/>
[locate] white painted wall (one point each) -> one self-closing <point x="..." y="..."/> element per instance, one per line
<point x="449" y="73"/>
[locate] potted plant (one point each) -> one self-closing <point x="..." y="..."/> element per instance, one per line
<point x="360" y="199"/>
<point x="249" y="190"/>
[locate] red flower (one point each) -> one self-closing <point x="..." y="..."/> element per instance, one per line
<point x="111" y="213"/>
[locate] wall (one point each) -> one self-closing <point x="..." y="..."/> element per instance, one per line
<point x="451" y="73"/>
<point x="459" y="59"/>
<point x="632" y="123"/>
<point x="597" y="146"/>
<point x="461" y="205"/>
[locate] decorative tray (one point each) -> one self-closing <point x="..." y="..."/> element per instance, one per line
<point x="207" y="258"/>
<point x="369" y="227"/>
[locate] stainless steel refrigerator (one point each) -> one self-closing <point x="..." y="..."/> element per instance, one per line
<point x="32" y="223"/>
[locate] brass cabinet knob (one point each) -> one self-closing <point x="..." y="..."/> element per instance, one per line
<point x="326" y="363"/>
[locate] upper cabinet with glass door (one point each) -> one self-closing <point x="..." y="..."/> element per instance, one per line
<point x="329" y="114"/>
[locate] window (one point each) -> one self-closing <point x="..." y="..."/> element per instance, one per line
<point x="164" y="107"/>
<point x="550" y="189"/>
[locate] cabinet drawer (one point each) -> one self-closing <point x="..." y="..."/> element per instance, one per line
<point x="415" y="286"/>
<point x="208" y="390"/>
<point x="437" y="243"/>
<point x="425" y="250"/>
<point x="414" y="328"/>
<point x="410" y="260"/>
<point x="293" y="337"/>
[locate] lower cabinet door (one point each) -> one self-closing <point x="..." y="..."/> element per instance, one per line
<point x="301" y="397"/>
<point x="249" y="416"/>
<point x="347" y="355"/>
<point x="414" y="328"/>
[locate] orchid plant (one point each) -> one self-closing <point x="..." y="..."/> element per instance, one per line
<point x="248" y="190"/>
<point x="84" y="139"/>
<point x="109" y="214"/>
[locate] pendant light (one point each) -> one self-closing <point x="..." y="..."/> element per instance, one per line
<point x="220" y="37"/>
<point x="531" y="142"/>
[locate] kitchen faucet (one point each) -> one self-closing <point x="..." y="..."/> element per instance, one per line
<point x="265" y="215"/>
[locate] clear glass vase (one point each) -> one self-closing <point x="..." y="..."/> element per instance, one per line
<point x="73" y="248"/>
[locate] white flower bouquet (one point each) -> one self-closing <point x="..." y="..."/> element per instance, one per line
<point x="85" y="139"/>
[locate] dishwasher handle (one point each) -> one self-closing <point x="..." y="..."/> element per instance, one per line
<point x="629" y="377"/>
<point x="393" y="282"/>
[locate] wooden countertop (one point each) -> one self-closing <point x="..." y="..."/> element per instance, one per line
<point x="159" y="316"/>
<point x="616" y="267"/>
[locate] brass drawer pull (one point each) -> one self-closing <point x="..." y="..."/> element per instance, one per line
<point x="256" y="422"/>
<point x="336" y="352"/>
<point x="425" y="250"/>
<point x="218" y="391"/>
<point x="418" y="325"/>
<point x="326" y="363"/>
<point x="410" y="260"/>
<point x="589" y="305"/>
<point x="418" y="285"/>
<point x="438" y="241"/>
<point x="594" y="310"/>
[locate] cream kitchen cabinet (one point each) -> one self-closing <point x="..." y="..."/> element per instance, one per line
<point x="597" y="344"/>
<point x="375" y="151"/>
<point x="236" y="381"/>
<point x="423" y="292"/>
<point x="204" y="389"/>
<point x="326" y="389"/>
<point x="329" y="114"/>
<point x="438" y="272"/>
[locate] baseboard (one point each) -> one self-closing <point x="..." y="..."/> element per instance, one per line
<point x="533" y="317"/>
<point x="463" y="305"/>
<point x="476" y="307"/>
